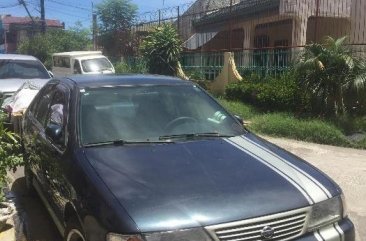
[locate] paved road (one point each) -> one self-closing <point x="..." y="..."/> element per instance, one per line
<point x="346" y="166"/>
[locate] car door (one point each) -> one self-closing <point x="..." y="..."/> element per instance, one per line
<point x="34" y="132"/>
<point x="55" y="151"/>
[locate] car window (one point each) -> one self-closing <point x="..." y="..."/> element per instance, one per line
<point x="77" y="68"/>
<point x="57" y="111"/>
<point x="22" y="69"/>
<point x="41" y="107"/>
<point x="147" y="113"/>
<point x="95" y="65"/>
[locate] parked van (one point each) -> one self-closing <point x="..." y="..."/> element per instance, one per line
<point x="81" y="62"/>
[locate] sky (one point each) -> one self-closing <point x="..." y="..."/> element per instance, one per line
<point x="71" y="11"/>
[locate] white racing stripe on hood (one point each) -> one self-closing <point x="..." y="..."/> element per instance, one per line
<point x="325" y="190"/>
<point x="284" y="175"/>
<point x="304" y="184"/>
<point x="318" y="237"/>
<point x="330" y="233"/>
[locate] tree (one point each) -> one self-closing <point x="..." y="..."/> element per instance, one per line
<point x="117" y="18"/>
<point x="43" y="46"/>
<point x="327" y="71"/>
<point x="162" y="49"/>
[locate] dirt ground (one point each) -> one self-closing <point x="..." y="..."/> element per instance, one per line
<point x="346" y="166"/>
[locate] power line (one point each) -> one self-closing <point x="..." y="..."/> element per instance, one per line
<point x="57" y="10"/>
<point x="69" y="5"/>
<point x="10" y="5"/>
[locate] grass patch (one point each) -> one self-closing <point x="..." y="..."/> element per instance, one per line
<point x="311" y="130"/>
<point x="238" y="108"/>
<point x="288" y="126"/>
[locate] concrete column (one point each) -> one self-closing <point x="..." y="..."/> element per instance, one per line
<point x="358" y="22"/>
<point x="247" y="53"/>
<point x="299" y="30"/>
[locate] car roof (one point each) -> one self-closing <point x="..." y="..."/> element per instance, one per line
<point x="78" y="53"/>
<point x="95" y="81"/>
<point x="17" y="57"/>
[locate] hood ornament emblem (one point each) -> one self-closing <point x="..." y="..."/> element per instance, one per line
<point x="267" y="232"/>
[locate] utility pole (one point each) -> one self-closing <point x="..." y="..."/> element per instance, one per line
<point x="43" y="19"/>
<point x="26" y="9"/>
<point x="94" y="31"/>
<point x="30" y="16"/>
<point x="94" y="24"/>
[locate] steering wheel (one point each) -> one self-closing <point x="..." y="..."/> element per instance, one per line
<point x="178" y="121"/>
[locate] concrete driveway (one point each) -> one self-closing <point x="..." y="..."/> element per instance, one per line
<point x="346" y="166"/>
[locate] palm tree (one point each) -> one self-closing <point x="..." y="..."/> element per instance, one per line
<point x="326" y="71"/>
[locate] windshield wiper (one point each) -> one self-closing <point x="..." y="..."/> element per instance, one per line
<point x="124" y="142"/>
<point x="193" y="136"/>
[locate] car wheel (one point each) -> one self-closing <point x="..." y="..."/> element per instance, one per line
<point x="73" y="231"/>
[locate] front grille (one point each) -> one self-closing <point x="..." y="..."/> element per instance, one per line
<point x="285" y="226"/>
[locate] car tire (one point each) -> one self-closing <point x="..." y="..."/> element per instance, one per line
<point x="74" y="231"/>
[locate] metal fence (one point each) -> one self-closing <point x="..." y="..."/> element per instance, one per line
<point x="200" y="65"/>
<point x="262" y="33"/>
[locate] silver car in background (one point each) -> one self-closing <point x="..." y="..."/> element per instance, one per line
<point x="16" y="69"/>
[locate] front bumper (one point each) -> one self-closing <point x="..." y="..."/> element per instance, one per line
<point x="341" y="231"/>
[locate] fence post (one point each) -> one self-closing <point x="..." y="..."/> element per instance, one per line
<point x="228" y="74"/>
<point x="159" y="16"/>
<point x="178" y="19"/>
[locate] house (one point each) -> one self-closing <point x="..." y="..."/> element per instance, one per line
<point x="271" y="23"/>
<point x="267" y="34"/>
<point x="13" y="30"/>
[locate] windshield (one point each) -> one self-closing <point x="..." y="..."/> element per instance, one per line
<point x="152" y="113"/>
<point x="22" y="69"/>
<point x="96" y="65"/>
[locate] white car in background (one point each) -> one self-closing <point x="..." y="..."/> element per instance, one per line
<point x="16" y="69"/>
<point x="21" y="76"/>
<point x="81" y="62"/>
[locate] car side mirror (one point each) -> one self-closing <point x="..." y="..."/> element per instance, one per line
<point x="54" y="132"/>
<point x="51" y="74"/>
<point x="238" y="118"/>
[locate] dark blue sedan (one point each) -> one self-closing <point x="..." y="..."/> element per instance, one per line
<point x="153" y="158"/>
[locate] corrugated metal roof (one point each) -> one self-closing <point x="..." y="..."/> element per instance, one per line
<point x="242" y="9"/>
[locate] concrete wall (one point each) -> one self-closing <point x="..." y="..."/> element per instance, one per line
<point x="307" y="8"/>
<point x="358" y="22"/>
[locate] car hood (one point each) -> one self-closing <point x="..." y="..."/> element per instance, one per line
<point x="12" y="85"/>
<point x="206" y="182"/>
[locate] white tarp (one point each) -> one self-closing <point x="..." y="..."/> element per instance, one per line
<point x="22" y="98"/>
<point x="199" y="39"/>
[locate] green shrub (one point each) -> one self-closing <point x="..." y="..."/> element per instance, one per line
<point x="161" y="50"/>
<point x="10" y="153"/>
<point x="282" y="93"/>
<point x="132" y="65"/>
<point x="286" y="125"/>
<point x="351" y="124"/>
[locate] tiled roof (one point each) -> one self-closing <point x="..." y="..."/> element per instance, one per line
<point x="28" y="21"/>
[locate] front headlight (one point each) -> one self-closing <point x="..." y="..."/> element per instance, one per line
<point x="195" y="234"/>
<point x="326" y="212"/>
<point x="120" y="237"/>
